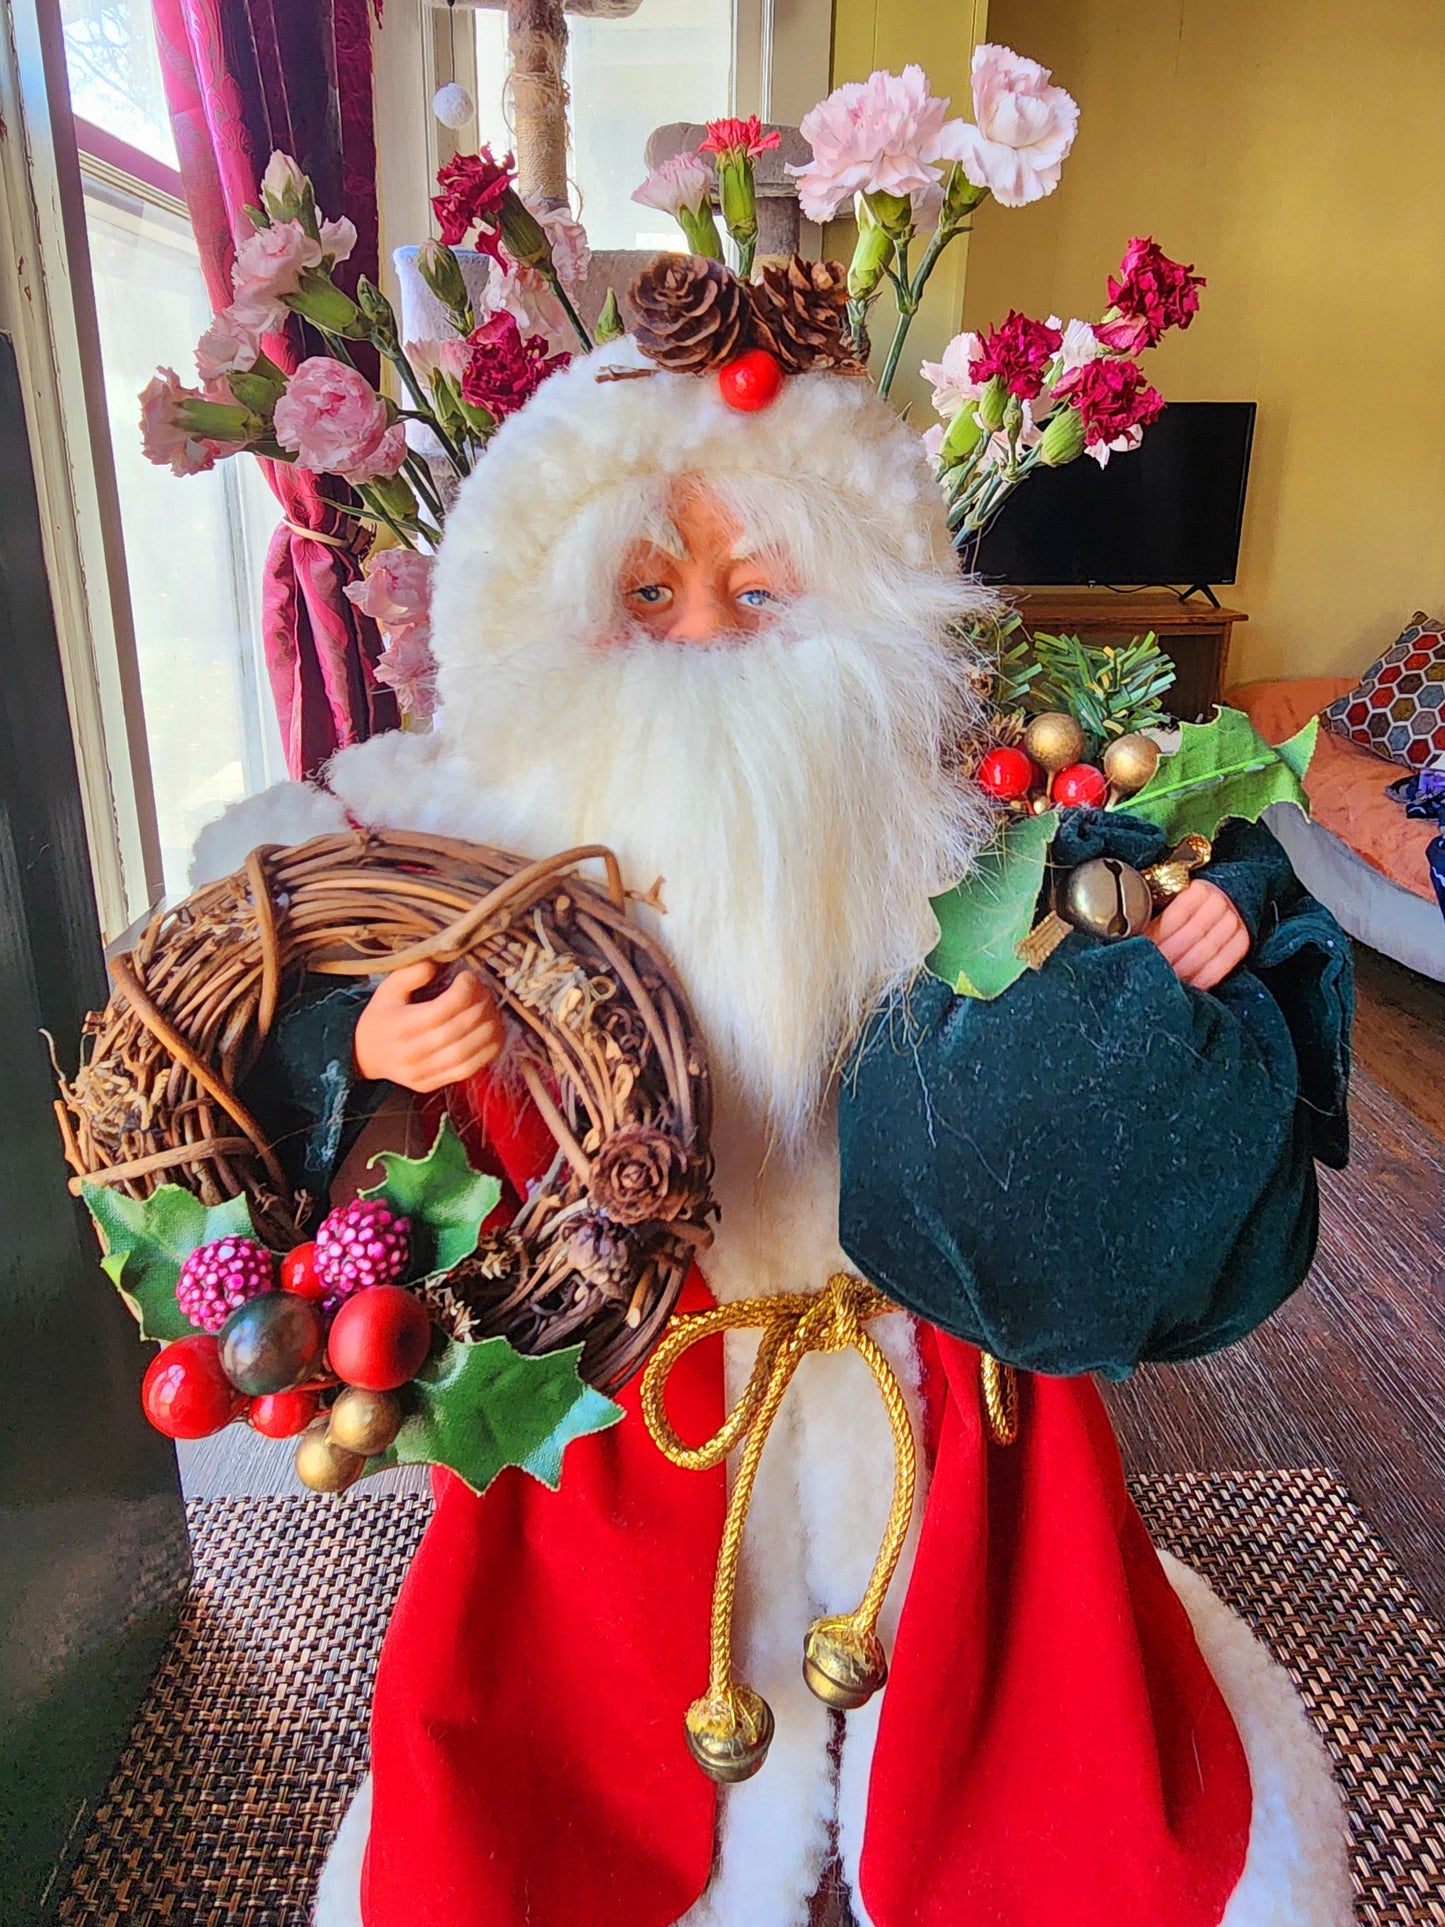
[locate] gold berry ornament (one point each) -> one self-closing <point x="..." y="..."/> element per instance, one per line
<point x="365" y="1422"/>
<point x="1107" y="899"/>
<point x="1054" y="740"/>
<point x="323" y="1466"/>
<point x="1130" y="762"/>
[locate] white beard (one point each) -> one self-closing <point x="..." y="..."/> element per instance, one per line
<point x="788" y="789"/>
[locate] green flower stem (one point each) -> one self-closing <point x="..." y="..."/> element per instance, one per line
<point x="747" y="254"/>
<point x="910" y="294"/>
<point x="554" y="282"/>
<point x="416" y="473"/>
<point x="403" y="367"/>
<point x="368" y="515"/>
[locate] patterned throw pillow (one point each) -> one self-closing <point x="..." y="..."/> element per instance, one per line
<point x="1397" y="708"/>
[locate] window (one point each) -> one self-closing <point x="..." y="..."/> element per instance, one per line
<point x="194" y="548"/>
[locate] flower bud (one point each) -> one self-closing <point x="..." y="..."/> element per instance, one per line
<point x="524" y="235"/>
<point x="893" y="213"/>
<point x="380" y="313"/>
<point x="255" y="390"/>
<point x="871" y="255"/>
<point x="318" y="299"/>
<point x="392" y="495"/>
<point x="992" y="403"/>
<point x="737" y="195"/>
<point x="700" y="228"/>
<point x="1063" y="438"/>
<point x="219" y="421"/>
<point x="960" y="198"/>
<point x="961" y="437"/>
<point x="1013" y="418"/>
<point x="609" y="321"/>
<point x="285" y="189"/>
<point x="442" y="272"/>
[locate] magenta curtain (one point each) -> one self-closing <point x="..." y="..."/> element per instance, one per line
<point x="244" y="77"/>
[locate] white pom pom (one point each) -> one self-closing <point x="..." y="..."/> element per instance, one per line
<point x="453" y="105"/>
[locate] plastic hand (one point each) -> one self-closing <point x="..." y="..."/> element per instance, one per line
<point x="1201" y="934"/>
<point x="423" y="1046"/>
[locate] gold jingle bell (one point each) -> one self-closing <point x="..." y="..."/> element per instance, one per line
<point x="729" y="1733"/>
<point x="323" y="1466"/>
<point x="364" y="1422"/>
<point x="843" y="1664"/>
<point x="1130" y="762"/>
<point x="1108" y="899"/>
<point x="1054" y="740"/>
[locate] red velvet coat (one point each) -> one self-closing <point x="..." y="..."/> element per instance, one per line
<point x="1052" y="1750"/>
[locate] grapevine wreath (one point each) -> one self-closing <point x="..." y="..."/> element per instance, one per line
<point x="407" y="1324"/>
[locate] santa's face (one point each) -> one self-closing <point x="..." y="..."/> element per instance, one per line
<point x="697" y="581"/>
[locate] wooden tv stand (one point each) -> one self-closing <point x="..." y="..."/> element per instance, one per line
<point x="1194" y="635"/>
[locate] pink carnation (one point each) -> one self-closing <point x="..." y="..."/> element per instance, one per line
<point x="504" y="371"/>
<point x="164" y="437"/>
<point x="1114" y="399"/>
<point x="229" y="346"/>
<point x="336" y="424"/>
<point x="886" y="134"/>
<point x="571" y="255"/>
<point x="1025" y="128"/>
<point x="408" y="666"/>
<point x="473" y="188"/>
<point x="1017" y="353"/>
<point x="447" y="357"/>
<point x="954" y="387"/>
<point x="269" y="266"/>
<point x="396" y="593"/>
<point x="338" y="239"/>
<point x="1152" y="294"/>
<point x="682" y="182"/>
<point x="730" y="136"/>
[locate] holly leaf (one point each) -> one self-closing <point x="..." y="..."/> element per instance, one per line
<point x="482" y="1407"/>
<point x="1224" y="768"/>
<point x="443" y="1196"/>
<point x="147" y="1240"/>
<point x="983" y="919"/>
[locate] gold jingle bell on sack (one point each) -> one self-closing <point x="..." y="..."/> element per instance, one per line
<point x="1130" y="762"/>
<point x="323" y="1466"/>
<point x="1108" y="899"/>
<point x="843" y="1664"/>
<point x="1055" y="741"/>
<point x="729" y="1733"/>
<point x="364" y="1422"/>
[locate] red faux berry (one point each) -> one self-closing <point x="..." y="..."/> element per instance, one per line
<point x="359" y="1245"/>
<point x="217" y="1277"/>
<point x="752" y="381"/>
<point x="281" y="1415"/>
<point x="1006" y="773"/>
<point x="379" y="1338"/>
<point x="1080" y="786"/>
<point x="299" y="1273"/>
<point x="185" y="1393"/>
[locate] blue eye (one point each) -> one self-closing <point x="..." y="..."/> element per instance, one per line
<point x="756" y="598"/>
<point x="651" y="592"/>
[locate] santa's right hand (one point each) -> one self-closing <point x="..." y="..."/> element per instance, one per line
<point x="422" y="1046"/>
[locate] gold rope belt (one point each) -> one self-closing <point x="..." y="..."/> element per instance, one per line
<point x="730" y="1728"/>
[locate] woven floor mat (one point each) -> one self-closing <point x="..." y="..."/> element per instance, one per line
<point x="253" y="1737"/>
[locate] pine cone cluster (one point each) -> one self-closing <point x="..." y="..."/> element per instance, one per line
<point x="694" y="314"/>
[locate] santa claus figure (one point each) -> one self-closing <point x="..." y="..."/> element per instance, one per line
<point x="726" y="645"/>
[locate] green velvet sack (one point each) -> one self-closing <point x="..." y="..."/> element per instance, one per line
<point x="1101" y="1166"/>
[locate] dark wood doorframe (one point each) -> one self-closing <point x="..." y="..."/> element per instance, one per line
<point x="93" y="1552"/>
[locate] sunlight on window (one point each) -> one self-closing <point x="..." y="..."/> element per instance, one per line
<point x="115" y="72"/>
<point x="669" y="61"/>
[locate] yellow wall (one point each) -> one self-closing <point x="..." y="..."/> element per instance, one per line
<point x="940" y="36"/>
<point x="1294" y="150"/>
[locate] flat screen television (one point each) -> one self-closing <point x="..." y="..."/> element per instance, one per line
<point x="1169" y="512"/>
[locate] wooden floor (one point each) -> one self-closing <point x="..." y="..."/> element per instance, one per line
<point x="1350" y="1374"/>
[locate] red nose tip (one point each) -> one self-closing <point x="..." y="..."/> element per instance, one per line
<point x="752" y="381"/>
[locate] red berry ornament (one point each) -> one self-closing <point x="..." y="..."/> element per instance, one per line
<point x="185" y="1393"/>
<point x="217" y="1277"/>
<point x="1006" y="773"/>
<point x="379" y="1338"/>
<point x="299" y="1274"/>
<point x="281" y="1415"/>
<point x="752" y="381"/>
<point x="1080" y="786"/>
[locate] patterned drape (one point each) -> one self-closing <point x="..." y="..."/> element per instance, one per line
<point x="242" y="78"/>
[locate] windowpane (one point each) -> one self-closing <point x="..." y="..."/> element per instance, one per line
<point x="194" y="547"/>
<point x="115" y="72"/>
<point x="669" y="61"/>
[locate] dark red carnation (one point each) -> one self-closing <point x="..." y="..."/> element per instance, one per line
<point x="473" y="187"/>
<point x="1017" y="352"/>
<point x="1112" y="398"/>
<point x="503" y="370"/>
<point x="1152" y="294"/>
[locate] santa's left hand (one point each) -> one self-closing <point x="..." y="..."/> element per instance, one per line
<point x="1201" y="934"/>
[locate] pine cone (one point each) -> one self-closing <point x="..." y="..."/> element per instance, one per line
<point x="800" y="315"/>
<point x="691" y="313"/>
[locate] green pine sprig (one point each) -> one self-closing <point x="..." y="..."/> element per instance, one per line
<point x="1112" y="689"/>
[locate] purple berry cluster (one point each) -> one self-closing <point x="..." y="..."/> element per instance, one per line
<point x="217" y="1277"/>
<point x="360" y="1244"/>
